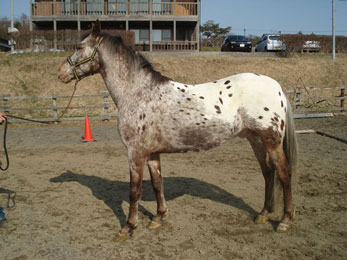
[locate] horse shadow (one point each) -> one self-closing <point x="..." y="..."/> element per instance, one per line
<point x="114" y="193"/>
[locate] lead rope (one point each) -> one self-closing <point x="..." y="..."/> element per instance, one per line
<point x="11" y="203"/>
<point x="5" y="149"/>
<point x="49" y="122"/>
<point x="32" y="120"/>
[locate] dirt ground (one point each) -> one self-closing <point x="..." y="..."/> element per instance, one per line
<point x="72" y="199"/>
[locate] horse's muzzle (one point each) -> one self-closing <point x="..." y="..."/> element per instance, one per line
<point x="64" y="73"/>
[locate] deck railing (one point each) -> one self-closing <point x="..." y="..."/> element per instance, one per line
<point x="114" y="9"/>
<point x="175" y="46"/>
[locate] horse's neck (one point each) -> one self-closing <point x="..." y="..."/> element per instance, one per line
<point x="121" y="85"/>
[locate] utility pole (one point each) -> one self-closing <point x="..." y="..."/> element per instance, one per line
<point x="12" y="45"/>
<point x="12" y="30"/>
<point x="333" y="25"/>
<point x="333" y="30"/>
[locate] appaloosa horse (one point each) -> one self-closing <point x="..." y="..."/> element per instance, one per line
<point x="158" y="115"/>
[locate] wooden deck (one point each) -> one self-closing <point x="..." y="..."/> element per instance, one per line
<point x="114" y="9"/>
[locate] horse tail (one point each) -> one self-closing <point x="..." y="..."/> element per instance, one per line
<point x="290" y="146"/>
<point x="290" y="149"/>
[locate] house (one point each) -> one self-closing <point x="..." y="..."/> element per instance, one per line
<point x="156" y="24"/>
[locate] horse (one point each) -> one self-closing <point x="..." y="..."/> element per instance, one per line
<point x="158" y="115"/>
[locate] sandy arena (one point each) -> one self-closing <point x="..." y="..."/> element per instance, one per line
<point x="72" y="199"/>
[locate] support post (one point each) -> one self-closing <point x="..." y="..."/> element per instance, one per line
<point x="12" y="40"/>
<point x="78" y="30"/>
<point x="79" y="19"/>
<point x="342" y="101"/>
<point x="150" y="35"/>
<point x="31" y="25"/>
<point x="55" y="109"/>
<point x="333" y="29"/>
<point x="297" y="99"/>
<point x="5" y="103"/>
<point x="198" y="10"/>
<point x="55" y="34"/>
<point x="174" y="33"/>
<point x="106" y="115"/>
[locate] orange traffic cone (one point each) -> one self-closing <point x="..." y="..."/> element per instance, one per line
<point x="88" y="137"/>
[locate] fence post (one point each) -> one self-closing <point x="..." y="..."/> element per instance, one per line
<point x="297" y="99"/>
<point x="55" y="109"/>
<point x="5" y="102"/>
<point x="342" y="101"/>
<point x="105" y="116"/>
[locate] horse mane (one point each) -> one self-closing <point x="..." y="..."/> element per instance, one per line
<point x="135" y="60"/>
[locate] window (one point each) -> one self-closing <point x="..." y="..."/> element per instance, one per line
<point x="156" y="35"/>
<point x="161" y="35"/>
<point x="166" y="35"/>
<point x="144" y="35"/>
<point x="274" y="37"/>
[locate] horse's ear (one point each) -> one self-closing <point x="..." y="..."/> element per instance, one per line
<point x="96" y="28"/>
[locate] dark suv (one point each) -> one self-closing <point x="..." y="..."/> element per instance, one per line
<point x="236" y="43"/>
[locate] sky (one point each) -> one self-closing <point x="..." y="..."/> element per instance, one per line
<point x="254" y="16"/>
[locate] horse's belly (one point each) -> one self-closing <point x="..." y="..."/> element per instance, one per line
<point x="201" y="137"/>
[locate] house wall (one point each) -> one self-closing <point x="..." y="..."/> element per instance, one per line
<point x="164" y="21"/>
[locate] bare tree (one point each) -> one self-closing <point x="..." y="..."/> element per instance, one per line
<point x="4" y="24"/>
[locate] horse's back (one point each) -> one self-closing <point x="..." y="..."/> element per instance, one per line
<point x="260" y="101"/>
<point x="257" y="97"/>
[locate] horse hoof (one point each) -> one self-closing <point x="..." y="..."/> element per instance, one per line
<point x="158" y="220"/>
<point x="283" y="227"/>
<point x="123" y="237"/>
<point x="154" y="225"/>
<point x="165" y="215"/>
<point x="261" y="219"/>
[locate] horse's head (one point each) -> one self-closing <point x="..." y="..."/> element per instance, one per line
<point x="85" y="60"/>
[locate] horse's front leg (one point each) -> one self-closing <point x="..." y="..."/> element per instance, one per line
<point x="157" y="183"/>
<point x="136" y="165"/>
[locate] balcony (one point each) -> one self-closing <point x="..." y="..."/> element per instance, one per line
<point x="114" y="9"/>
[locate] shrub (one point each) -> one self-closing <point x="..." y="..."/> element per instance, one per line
<point x="294" y="43"/>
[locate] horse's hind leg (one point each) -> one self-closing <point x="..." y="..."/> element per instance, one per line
<point x="284" y="172"/>
<point x="157" y="183"/>
<point x="268" y="171"/>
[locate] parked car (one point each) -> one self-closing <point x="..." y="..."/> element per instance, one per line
<point x="236" y="43"/>
<point x="270" y="42"/>
<point x="4" y="46"/>
<point x="311" y="46"/>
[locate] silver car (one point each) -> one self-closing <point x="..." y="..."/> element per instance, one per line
<point x="270" y="42"/>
